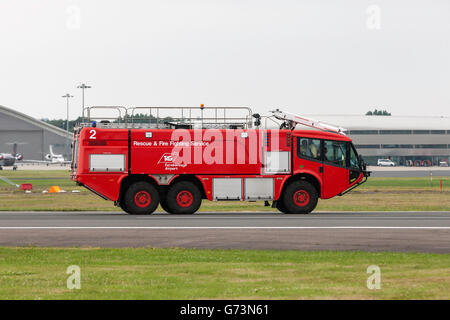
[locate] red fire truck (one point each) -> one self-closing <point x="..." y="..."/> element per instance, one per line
<point x="178" y="161"/>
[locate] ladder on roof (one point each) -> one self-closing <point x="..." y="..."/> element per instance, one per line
<point x="291" y="120"/>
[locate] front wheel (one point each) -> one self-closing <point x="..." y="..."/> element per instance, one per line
<point x="280" y="206"/>
<point x="299" y="197"/>
<point x="141" y="198"/>
<point x="183" y="198"/>
<point x="123" y="206"/>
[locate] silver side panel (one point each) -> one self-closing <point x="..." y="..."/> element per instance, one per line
<point x="259" y="188"/>
<point x="227" y="189"/>
<point x="75" y="155"/>
<point x="163" y="179"/>
<point x="277" y="162"/>
<point x="107" y="162"/>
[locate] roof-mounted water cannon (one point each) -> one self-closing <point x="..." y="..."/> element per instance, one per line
<point x="257" y="117"/>
<point x="290" y="121"/>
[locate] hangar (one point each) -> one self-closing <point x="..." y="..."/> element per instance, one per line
<point x="33" y="137"/>
<point x="407" y="140"/>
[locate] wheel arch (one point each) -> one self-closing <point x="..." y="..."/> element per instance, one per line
<point x="127" y="181"/>
<point x="306" y="177"/>
<point x="190" y="178"/>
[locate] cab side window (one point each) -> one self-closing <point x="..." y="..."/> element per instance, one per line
<point x="335" y="152"/>
<point x="354" y="162"/>
<point x="308" y="148"/>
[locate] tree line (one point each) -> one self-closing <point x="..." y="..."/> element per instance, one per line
<point x="378" y="113"/>
<point x="137" y="118"/>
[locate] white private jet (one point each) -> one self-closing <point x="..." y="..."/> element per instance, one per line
<point x="51" y="157"/>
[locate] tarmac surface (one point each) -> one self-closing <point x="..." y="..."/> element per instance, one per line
<point x="409" y="172"/>
<point x="366" y="231"/>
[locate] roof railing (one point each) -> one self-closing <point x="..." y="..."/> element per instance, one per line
<point x="185" y="117"/>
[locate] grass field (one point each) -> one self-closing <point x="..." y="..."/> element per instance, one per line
<point x="408" y="194"/>
<point x="144" y="273"/>
<point x="40" y="273"/>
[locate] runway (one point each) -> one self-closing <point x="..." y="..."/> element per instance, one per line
<point x="368" y="231"/>
<point x="409" y="172"/>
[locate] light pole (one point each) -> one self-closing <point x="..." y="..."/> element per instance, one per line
<point x="82" y="87"/>
<point x="67" y="96"/>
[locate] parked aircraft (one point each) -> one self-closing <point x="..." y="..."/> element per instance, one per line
<point x="9" y="159"/>
<point x="51" y="158"/>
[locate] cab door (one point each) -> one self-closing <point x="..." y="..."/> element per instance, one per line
<point x="335" y="168"/>
<point x="307" y="156"/>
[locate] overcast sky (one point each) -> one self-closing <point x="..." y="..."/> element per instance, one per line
<point x="311" y="56"/>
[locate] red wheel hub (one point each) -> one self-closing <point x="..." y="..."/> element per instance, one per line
<point x="301" y="198"/>
<point x="185" y="198"/>
<point x="142" y="199"/>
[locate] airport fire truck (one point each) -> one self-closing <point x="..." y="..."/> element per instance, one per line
<point x="140" y="159"/>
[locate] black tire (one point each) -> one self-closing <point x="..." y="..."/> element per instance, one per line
<point x="140" y="198"/>
<point x="123" y="206"/>
<point x="280" y="206"/>
<point x="299" y="197"/>
<point x="164" y="205"/>
<point x="183" y="198"/>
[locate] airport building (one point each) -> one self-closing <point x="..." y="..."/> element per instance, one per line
<point x="406" y="140"/>
<point x="33" y="137"/>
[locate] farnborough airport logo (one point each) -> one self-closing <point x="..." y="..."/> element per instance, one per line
<point x="168" y="157"/>
<point x="170" y="161"/>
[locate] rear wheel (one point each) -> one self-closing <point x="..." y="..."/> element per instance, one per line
<point x="164" y="206"/>
<point x="299" y="197"/>
<point x="183" y="198"/>
<point x="140" y="198"/>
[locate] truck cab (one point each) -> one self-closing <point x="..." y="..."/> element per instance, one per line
<point x="332" y="158"/>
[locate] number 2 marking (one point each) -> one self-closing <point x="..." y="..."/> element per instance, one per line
<point x="93" y="133"/>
